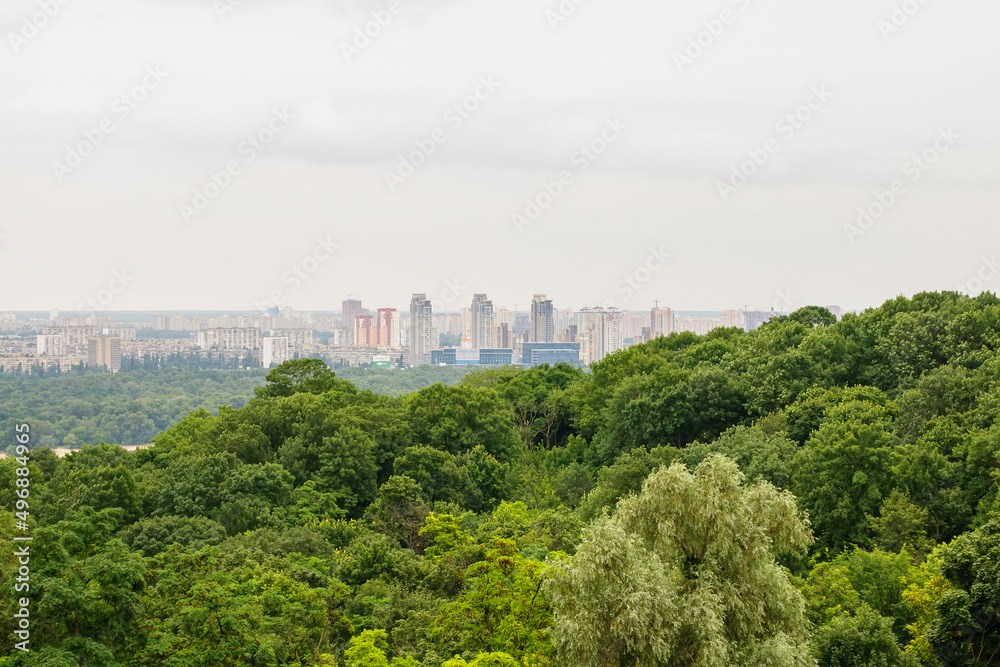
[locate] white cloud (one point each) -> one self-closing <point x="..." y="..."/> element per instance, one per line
<point x="453" y="218"/>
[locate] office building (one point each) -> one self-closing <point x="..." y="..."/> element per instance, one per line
<point x="452" y="356"/>
<point x="533" y="354"/>
<point x="444" y="357"/>
<point x="496" y="356"/>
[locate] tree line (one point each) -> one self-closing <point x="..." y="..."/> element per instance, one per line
<point x="86" y="407"/>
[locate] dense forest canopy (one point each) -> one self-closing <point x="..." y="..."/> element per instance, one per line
<point x="810" y="493"/>
<point x="128" y="408"/>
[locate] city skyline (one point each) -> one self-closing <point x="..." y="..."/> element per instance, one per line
<point x="476" y="335"/>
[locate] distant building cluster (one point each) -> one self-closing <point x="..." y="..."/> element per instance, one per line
<point x="479" y="334"/>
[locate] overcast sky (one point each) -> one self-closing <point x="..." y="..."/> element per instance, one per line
<point x="672" y="120"/>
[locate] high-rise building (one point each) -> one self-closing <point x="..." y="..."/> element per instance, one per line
<point x="601" y="332"/>
<point x="505" y="335"/>
<point x="542" y="320"/>
<point x="123" y="332"/>
<point x="755" y="318"/>
<point x="661" y="322"/>
<point x="50" y="345"/>
<point x="631" y="325"/>
<point x="697" y="325"/>
<point x="587" y="318"/>
<point x="449" y="323"/>
<point x="275" y="351"/>
<point x="481" y="322"/>
<point x="466" y="314"/>
<point x="105" y="351"/>
<point x="421" y="330"/>
<point x="350" y="310"/>
<point x="297" y="338"/>
<point x="364" y="331"/>
<point x="387" y="327"/>
<point x="72" y="336"/>
<point x="229" y="339"/>
<point x="733" y="318"/>
<point x="504" y="316"/>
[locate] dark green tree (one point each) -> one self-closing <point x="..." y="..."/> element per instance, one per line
<point x="296" y="376"/>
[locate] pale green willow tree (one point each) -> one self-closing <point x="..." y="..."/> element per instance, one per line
<point x="685" y="575"/>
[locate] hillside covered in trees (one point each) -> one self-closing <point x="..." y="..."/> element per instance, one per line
<point x="810" y="493"/>
<point x="128" y="408"/>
